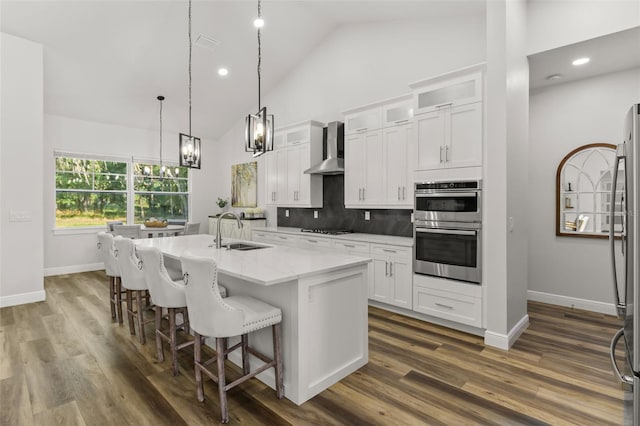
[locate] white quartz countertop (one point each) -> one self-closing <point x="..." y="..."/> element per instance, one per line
<point x="356" y="236"/>
<point x="268" y="266"/>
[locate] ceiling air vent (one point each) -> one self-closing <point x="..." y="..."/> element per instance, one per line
<point x="206" y="42"/>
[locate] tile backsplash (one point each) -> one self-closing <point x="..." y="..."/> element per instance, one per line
<point x="335" y="216"/>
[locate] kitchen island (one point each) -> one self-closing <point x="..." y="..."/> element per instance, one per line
<point x="323" y="298"/>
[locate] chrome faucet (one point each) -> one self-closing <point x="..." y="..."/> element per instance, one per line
<point x="218" y="236"/>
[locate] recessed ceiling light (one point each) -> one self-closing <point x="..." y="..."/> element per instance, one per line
<point x="581" y="61"/>
<point x="258" y="23"/>
<point x="554" y="77"/>
<point x="223" y="71"/>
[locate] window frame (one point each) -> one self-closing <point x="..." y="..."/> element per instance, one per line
<point x="129" y="192"/>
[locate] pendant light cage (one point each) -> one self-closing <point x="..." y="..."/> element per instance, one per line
<point x="258" y="134"/>
<point x="190" y="146"/>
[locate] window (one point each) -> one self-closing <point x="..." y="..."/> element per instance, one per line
<point x="166" y="197"/>
<point x="92" y="191"/>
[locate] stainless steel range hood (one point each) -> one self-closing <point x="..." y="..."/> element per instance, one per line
<point x="332" y="165"/>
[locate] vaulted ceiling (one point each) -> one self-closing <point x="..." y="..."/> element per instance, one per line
<point x="107" y="61"/>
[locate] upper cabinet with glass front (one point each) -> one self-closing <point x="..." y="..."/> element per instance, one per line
<point x="452" y="89"/>
<point x="584" y="182"/>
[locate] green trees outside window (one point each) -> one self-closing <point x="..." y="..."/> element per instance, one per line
<point x="91" y="192"/>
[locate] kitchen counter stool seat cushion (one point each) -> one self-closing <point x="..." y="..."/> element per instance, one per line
<point x="112" y="269"/>
<point x="134" y="283"/>
<point x="213" y="316"/>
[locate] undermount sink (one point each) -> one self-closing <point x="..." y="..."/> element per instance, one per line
<point x="243" y="246"/>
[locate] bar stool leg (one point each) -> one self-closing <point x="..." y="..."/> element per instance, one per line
<point x="112" y="295"/>
<point x="140" y="316"/>
<point x="119" y="299"/>
<point x="277" y="357"/>
<point x="221" y="380"/>
<point x="245" y="355"/>
<point x="197" y="358"/>
<point x="132" y="328"/>
<point x="185" y="321"/>
<point x="172" y="340"/>
<point x="158" y="335"/>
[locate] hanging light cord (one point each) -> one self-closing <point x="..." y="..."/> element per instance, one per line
<point x="161" y="99"/>
<point x="190" y="134"/>
<point x="259" y="56"/>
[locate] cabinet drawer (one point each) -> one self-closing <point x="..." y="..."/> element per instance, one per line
<point x="351" y="246"/>
<point x="386" y="250"/>
<point x="450" y="306"/>
<point x="314" y="242"/>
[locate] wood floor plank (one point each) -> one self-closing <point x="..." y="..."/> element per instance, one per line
<point x="64" y="361"/>
<point x="15" y="403"/>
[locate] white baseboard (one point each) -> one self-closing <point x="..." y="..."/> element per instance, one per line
<point x="572" y="302"/>
<point x="73" y="269"/>
<point x="505" y="341"/>
<point x="22" y="298"/>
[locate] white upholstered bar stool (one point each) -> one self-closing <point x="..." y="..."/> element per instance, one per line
<point x="212" y="316"/>
<point x="191" y="228"/>
<point x="127" y="231"/>
<point x="112" y="269"/>
<point x="134" y="283"/>
<point x="165" y="293"/>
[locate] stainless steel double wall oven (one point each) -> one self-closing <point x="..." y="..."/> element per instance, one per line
<point x="448" y="230"/>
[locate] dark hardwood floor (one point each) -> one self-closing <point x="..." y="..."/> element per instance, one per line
<point x="64" y="361"/>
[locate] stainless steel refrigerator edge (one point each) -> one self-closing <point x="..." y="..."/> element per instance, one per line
<point x="628" y="155"/>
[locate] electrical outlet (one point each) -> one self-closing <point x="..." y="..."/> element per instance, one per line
<point x="286" y="213"/>
<point x="367" y="215"/>
<point x="315" y="214"/>
<point x="511" y="224"/>
<point x="413" y="218"/>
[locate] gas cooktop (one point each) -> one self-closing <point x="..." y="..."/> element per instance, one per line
<point x="326" y="231"/>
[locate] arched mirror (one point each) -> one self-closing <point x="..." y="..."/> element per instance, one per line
<point x="583" y="192"/>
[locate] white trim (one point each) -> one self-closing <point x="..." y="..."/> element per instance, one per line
<point x="90" y="156"/>
<point x="505" y="341"/>
<point x="73" y="269"/>
<point x="22" y="298"/>
<point x="572" y="302"/>
<point x="79" y="230"/>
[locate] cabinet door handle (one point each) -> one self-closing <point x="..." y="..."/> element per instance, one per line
<point x="390" y="269"/>
<point x="441" y="153"/>
<point x="444" y="105"/>
<point x="446" y="154"/>
<point x="389" y="251"/>
<point x="361" y="129"/>
<point x="444" y="306"/>
<point x="400" y="121"/>
<point x="404" y="192"/>
<point x="313" y="241"/>
<point x="386" y="268"/>
<point x="349" y="245"/>
<point x="398" y="193"/>
<point x="363" y="194"/>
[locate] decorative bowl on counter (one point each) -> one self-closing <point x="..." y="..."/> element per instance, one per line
<point x="153" y="222"/>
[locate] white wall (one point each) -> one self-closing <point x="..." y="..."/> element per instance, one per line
<point x="356" y="65"/>
<point x="66" y="253"/>
<point x="21" y="246"/>
<point x="505" y="276"/>
<point x="555" y="23"/>
<point x="562" y="118"/>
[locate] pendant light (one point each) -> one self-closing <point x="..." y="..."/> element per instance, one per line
<point x="190" y="154"/>
<point x="258" y="133"/>
<point x="162" y="169"/>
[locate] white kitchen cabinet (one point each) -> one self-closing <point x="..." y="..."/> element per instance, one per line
<point x="397" y="113"/>
<point x="299" y="147"/>
<point x="448" y="299"/>
<point x="314" y="242"/>
<point x="450" y="137"/>
<point x="453" y="89"/>
<point x="449" y="120"/>
<point x="229" y="227"/>
<point x="398" y="165"/>
<point x="363" y="120"/>
<point x="364" y="165"/>
<point x="276" y="238"/>
<point x="392" y="275"/>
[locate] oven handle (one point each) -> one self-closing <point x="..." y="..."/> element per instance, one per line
<point x="446" y="231"/>
<point x="447" y="194"/>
